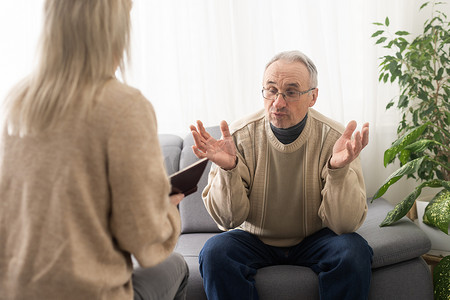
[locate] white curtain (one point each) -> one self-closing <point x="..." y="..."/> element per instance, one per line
<point x="204" y="59"/>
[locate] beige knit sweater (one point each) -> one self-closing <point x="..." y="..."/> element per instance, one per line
<point x="78" y="199"/>
<point x="283" y="193"/>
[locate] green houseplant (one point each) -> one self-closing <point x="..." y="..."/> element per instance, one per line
<point x="422" y="70"/>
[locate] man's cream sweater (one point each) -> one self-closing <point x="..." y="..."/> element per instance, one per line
<point x="77" y="200"/>
<point x="283" y="193"/>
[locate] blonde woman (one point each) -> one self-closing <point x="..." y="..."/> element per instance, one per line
<point x="82" y="180"/>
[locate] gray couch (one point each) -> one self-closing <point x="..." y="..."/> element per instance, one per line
<point x="398" y="270"/>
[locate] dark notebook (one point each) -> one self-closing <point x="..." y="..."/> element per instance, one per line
<point x="185" y="181"/>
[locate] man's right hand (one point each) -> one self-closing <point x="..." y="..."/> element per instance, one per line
<point x="221" y="152"/>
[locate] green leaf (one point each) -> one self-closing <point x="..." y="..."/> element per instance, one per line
<point x="381" y="40"/>
<point x="428" y="83"/>
<point x="423" y="5"/>
<point x="386" y="22"/>
<point x="401" y="209"/>
<point x="389" y="45"/>
<point x="437" y="212"/>
<point x="402" y="101"/>
<point x="378" y="24"/>
<point x="422" y="95"/>
<point x="400" y="144"/>
<point x="446" y="184"/>
<point x="402" y="33"/>
<point x="404" y="156"/>
<point x="439" y="74"/>
<point x="416" y="118"/>
<point x="421" y="145"/>
<point x="408" y="168"/>
<point x="377" y="33"/>
<point x="441" y="282"/>
<point x="391" y="103"/>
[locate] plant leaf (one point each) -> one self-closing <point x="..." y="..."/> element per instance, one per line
<point x="408" y="168"/>
<point x="380" y="40"/>
<point x="391" y="103"/>
<point x="402" y="101"/>
<point x="441" y="274"/>
<point x="439" y="74"/>
<point x="402" y="208"/>
<point x="423" y="5"/>
<point x="377" y="33"/>
<point x="402" y="142"/>
<point x="404" y="156"/>
<point x="378" y="24"/>
<point x="386" y="22"/>
<point x="437" y="212"/>
<point x="446" y="184"/>
<point x="421" y="145"/>
<point x="402" y="33"/>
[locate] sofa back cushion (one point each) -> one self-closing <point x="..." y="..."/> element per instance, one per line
<point x="194" y="216"/>
<point x="171" y="146"/>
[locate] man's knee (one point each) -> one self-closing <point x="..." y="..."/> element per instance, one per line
<point x="222" y="249"/>
<point x="214" y="250"/>
<point x="354" y="250"/>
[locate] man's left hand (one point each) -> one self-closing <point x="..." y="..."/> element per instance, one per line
<point x="346" y="148"/>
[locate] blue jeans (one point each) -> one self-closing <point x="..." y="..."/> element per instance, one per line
<point x="229" y="261"/>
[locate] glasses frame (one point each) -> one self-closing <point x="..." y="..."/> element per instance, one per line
<point x="300" y="93"/>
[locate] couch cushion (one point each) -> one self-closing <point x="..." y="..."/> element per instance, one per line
<point x="392" y="244"/>
<point x="171" y="149"/>
<point x="194" y="216"/>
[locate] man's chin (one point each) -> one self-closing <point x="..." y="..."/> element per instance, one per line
<point x="279" y="123"/>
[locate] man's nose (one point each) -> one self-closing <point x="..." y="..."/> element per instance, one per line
<point x="279" y="101"/>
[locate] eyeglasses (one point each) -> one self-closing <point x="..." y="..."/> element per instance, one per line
<point x="288" y="96"/>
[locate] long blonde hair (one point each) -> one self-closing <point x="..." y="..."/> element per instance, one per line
<point x="82" y="43"/>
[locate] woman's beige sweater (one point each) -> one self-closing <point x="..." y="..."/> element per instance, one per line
<point x="77" y="200"/>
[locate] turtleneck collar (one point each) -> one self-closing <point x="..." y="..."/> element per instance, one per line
<point x="288" y="135"/>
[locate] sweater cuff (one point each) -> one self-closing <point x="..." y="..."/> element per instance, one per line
<point x="337" y="173"/>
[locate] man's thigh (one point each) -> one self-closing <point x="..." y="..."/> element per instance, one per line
<point x="238" y="246"/>
<point x="325" y="246"/>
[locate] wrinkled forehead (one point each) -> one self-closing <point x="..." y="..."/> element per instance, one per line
<point x="283" y="73"/>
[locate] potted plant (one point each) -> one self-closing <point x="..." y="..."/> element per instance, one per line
<point x="421" y="68"/>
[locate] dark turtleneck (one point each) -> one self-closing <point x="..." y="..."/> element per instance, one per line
<point x="288" y="135"/>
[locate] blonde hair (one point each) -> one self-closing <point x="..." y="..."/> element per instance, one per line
<point x="82" y="43"/>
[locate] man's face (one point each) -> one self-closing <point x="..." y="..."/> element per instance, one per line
<point x="287" y="76"/>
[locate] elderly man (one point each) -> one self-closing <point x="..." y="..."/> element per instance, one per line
<point x="288" y="181"/>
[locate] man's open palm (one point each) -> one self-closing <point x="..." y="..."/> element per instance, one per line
<point x="222" y="152"/>
<point x="346" y="148"/>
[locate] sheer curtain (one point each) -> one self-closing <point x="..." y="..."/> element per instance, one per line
<point x="204" y="59"/>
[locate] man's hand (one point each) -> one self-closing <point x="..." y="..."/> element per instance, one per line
<point x="346" y="149"/>
<point x="222" y="152"/>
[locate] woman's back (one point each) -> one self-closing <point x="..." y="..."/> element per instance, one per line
<point x="75" y="199"/>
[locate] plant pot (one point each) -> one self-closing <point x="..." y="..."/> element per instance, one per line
<point x="439" y="240"/>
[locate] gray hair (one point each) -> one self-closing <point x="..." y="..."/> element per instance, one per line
<point x="297" y="56"/>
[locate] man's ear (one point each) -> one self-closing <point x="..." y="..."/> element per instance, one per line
<point x="315" y="94"/>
